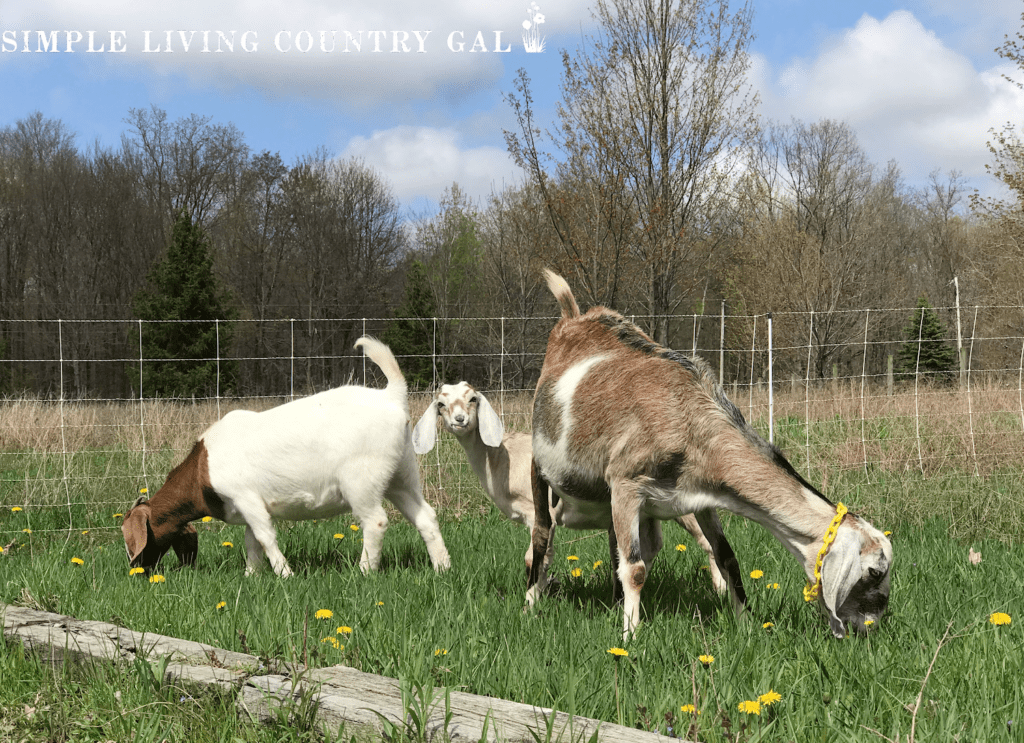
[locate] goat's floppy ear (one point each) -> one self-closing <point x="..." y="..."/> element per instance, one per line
<point x="425" y="433"/>
<point x="186" y="545"/>
<point x="488" y="422"/>
<point x="135" y="529"/>
<point x="840" y="571"/>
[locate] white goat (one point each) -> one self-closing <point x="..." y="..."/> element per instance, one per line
<point x="626" y="432"/>
<point x="340" y="450"/>
<point x="502" y="463"/>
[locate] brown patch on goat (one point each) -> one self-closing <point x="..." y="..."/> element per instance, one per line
<point x="547" y="413"/>
<point x="164" y="521"/>
<point x="541" y="535"/>
<point x="638" y="575"/>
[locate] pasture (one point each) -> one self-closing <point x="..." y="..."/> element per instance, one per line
<point x="941" y="471"/>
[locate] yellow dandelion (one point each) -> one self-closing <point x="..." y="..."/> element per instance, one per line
<point x="333" y="641"/>
<point x="619" y="652"/>
<point x="756" y="574"/>
<point x="770" y="698"/>
<point x="1" y="550"/>
<point x="227" y="544"/>
<point x="750" y="708"/>
<point x="143" y="491"/>
<point x="572" y="558"/>
<point x="77" y="561"/>
<point x="136" y="571"/>
<point x="207" y="519"/>
<point x="85" y="531"/>
<point x="440" y="651"/>
<point x="344" y="630"/>
<point x="576" y="572"/>
<point x="26" y="531"/>
<point x="887" y="533"/>
<point x="324" y="614"/>
<point x="707" y="660"/>
<point x="598" y="564"/>
<point x="157" y="579"/>
<point x="380" y="603"/>
<point x="772" y="586"/>
<point x="354" y="527"/>
<point x="998" y="618"/>
<point x="680" y="548"/>
<point x="339" y="536"/>
<point x="15" y="509"/>
<point x="689" y="709"/>
<point x="868" y="622"/>
<point x="767" y="625"/>
<point x="222" y="605"/>
<point x="118" y="516"/>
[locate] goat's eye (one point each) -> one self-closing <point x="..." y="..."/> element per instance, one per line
<point x="440" y="406"/>
<point x="474" y="400"/>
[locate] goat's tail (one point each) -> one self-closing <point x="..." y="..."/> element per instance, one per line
<point x="560" y="288"/>
<point x="381" y="355"/>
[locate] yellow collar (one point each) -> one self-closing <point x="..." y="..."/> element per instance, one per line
<point x="811" y="592"/>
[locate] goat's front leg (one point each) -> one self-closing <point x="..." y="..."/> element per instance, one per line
<point x="724" y="557"/>
<point x="260" y="538"/>
<point x="632" y="570"/>
<point x="689" y="522"/>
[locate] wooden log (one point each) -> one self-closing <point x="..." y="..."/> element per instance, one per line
<point x="338" y="696"/>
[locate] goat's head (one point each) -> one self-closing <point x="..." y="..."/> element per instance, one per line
<point x="146" y="545"/>
<point x="462" y="410"/>
<point x="855" y="577"/>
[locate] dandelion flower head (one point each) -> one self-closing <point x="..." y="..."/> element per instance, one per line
<point x="755" y="574"/>
<point x="227" y="544"/>
<point x="207" y="519"/>
<point x="598" y="564"/>
<point x="680" y="548"/>
<point x="324" y="614"/>
<point x="157" y="579"/>
<point x="999" y="618"/>
<point x="353" y="527"/>
<point x="136" y="571"/>
<point x="707" y="660"/>
<point x="576" y="572"/>
<point x="339" y="536"/>
<point x="619" y="652"/>
<point x="333" y="641"/>
<point x="15" y="509"/>
<point x="770" y="698"/>
<point x="77" y="561"/>
<point x="689" y="709"/>
<point x="344" y="630"/>
<point x="222" y="605"/>
<point x="750" y="708"/>
<point x="572" y="558"/>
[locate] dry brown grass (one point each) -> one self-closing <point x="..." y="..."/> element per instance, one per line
<point x="53" y="450"/>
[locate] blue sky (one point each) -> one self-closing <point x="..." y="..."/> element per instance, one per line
<point x="917" y="80"/>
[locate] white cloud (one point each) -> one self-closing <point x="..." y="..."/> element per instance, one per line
<point x="908" y="95"/>
<point x="421" y="162"/>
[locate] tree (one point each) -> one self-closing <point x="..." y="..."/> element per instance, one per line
<point x="182" y="343"/>
<point x="411" y="334"/>
<point x="654" y="109"/>
<point x="925" y="350"/>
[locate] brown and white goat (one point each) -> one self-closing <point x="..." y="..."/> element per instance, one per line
<point x="502" y="463"/>
<point x="340" y="450"/>
<point x="627" y="432"/>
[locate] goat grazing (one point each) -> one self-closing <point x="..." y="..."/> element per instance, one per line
<point x="502" y="463"/>
<point x="316" y="457"/>
<point x="626" y="432"/>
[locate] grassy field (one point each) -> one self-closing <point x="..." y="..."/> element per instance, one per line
<point x="936" y="669"/>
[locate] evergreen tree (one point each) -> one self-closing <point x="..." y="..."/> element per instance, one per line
<point x="411" y="334"/>
<point x="181" y="356"/>
<point x="925" y="350"/>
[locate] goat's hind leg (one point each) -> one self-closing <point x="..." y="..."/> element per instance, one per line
<point x="689" y="522"/>
<point x="406" y="493"/>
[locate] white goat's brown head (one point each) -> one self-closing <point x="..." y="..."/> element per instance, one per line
<point x="147" y="539"/>
<point x="855" y="577"/>
<point x="462" y="410"/>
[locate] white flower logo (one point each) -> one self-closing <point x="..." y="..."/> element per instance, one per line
<point x="533" y="42"/>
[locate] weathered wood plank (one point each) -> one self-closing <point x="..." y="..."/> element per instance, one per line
<point x="338" y="696"/>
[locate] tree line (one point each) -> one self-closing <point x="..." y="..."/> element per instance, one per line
<point x="658" y="191"/>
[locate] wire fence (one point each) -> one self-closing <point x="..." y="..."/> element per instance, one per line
<point x="829" y="389"/>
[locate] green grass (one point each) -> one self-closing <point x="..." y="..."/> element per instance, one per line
<point x="468" y="630"/>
